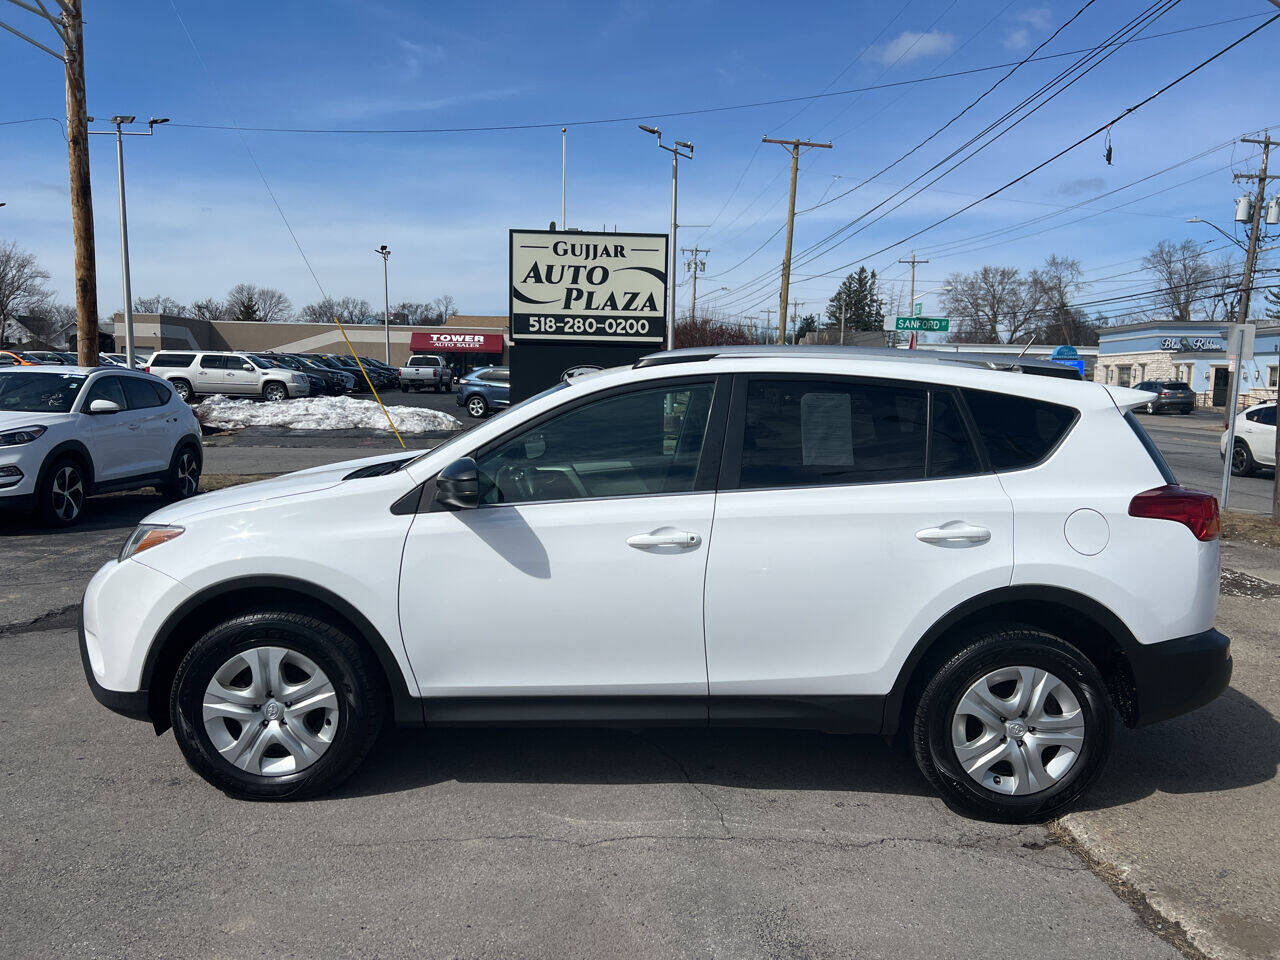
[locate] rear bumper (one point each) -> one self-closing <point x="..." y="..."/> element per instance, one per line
<point x="1177" y="676"/>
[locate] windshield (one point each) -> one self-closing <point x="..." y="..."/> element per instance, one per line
<point x="283" y="361"/>
<point x="39" y="392"/>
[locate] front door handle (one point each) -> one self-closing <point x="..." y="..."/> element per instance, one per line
<point x="955" y="532"/>
<point x="664" y="538"/>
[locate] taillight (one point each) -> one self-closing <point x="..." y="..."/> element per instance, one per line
<point x="146" y="369"/>
<point x="1197" y="511"/>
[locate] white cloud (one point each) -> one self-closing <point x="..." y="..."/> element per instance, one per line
<point x="909" y="46"/>
<point x="1036" y="19"/>
<point x="361" y="108"/>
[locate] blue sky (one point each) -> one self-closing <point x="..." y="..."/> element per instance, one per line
<point x="201" y="219"/>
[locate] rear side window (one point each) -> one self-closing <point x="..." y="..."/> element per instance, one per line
<point x="139" y="394"/>
<point x="1266" y="416"/>
<point x="172" y="360"/>
<point x="819" y="432"/>
<point x="1017" y="431"/>
<point x="164" y="393"/>
<point x="1174" y="385"/>
<point x="213" y="362"/>
<point x="951" y="452"/>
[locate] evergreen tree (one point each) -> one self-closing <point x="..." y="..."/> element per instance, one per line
<point x="858" y="301"/>
<point x="249" y="309"/>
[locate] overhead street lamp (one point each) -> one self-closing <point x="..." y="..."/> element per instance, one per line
<point x="1210" y="223"/>
<point x="671" y="242"/>
<point x="385" y="253"/>
<point x="120" y="121"/>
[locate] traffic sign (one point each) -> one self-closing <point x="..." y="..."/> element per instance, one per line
<point x="918" y="324"/>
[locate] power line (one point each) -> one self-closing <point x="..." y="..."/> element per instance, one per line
<point x="491" y="128"/>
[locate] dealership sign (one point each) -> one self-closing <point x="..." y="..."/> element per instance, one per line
<point x="442" y="342"/>
<point x="602" y="287"/>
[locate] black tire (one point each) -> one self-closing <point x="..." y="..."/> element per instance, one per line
<point x="361" y="702"/>
<point x="1242" y="462"/>
<point x="983" y="653"/>
<point x="183" y="389"/>
<point x="275" y="392"/>
<point x="1151" y="409"/>
<point x="477" y="406"/>
<point x="1187" y="411"/>
<point x="184" y="473"/>
<point x="63" y="489"/>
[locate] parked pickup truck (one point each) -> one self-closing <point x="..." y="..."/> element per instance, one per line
<point x="426" y="371"/>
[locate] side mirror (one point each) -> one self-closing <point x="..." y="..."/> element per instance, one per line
<point x="248" y="366"/>
<point x="458" y="486"/>
<point x="102" y="405"/>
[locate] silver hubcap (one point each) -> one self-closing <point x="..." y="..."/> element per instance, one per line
<point x="188" y="475"/>
<point x="476" y="407"/>
<point x="182" y="390"/>
<point x="270" y="711"/>
<point x="1239" y="458"/>
<point x="68" y="493"/>
<point x="275" y="392"/>
<point x="1018" y="730"/>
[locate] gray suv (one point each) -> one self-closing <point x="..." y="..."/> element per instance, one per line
<point x="1170" y="395"/>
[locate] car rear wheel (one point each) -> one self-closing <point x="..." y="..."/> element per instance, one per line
<point x="1151" y="409"/>
<point x="183" y="389"/>
<point x="62" y="492"/>
<point x="476" y="406"/>
<point x="1014" y="727"/>
<point x="276" y="705"/>
<point x="1242" y="462"/>
<point x="184" y="474"/>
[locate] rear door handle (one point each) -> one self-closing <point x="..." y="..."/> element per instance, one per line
<point x="664" y="538"/>
<point x="954" y="532"/>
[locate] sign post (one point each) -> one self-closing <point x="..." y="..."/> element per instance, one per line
<point x="583" y="300"/>
<point x="1240" y="338"/>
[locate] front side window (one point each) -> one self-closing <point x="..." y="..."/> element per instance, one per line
<point x="39" y="392"/>
<point x="819" y="432"/>
<point x="640" y="443"/>
<point x="1266" y="416"/>
<point x="106" y="388"/>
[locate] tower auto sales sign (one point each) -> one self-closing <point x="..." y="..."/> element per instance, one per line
<point x="588" y="286"/>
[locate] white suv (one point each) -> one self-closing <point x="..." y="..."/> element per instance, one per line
<point x="1255" y="444"/>
<point x="814" y="537"/>
<point x="68" y="432"/>
<point x="196" y="373"/>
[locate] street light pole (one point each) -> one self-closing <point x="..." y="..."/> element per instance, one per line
<point x="671" y="242"/>
<point x="120" y="134"/>
<point x="385" y="253"/>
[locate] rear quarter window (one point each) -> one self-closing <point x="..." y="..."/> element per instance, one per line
<point x="1017" y="431"/>
<point x="172" y="360"/>
<point x="1150" y="446"/>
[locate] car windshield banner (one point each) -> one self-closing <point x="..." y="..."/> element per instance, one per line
<point x="602" y="287"/>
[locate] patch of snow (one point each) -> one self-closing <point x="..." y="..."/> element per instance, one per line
<point x="319" y="413"/>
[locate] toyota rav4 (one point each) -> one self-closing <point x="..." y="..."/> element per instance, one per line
<point x="950" y="548"/>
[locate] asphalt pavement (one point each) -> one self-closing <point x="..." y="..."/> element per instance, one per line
<point x="1190" y="445"/>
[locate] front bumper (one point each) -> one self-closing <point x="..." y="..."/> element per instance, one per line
<point x="1177" y="676"/>
<point x="134" y="704"/>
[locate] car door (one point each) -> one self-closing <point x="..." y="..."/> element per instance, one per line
<point x="852" y="515"/>
<point x="150" y="437"/>
<point x="1259" y="429"/>
<point x="211" y="373"/>
<point x="112" y="438"/>
<point x="242" y="377"/>
<point x="581" y="572"/>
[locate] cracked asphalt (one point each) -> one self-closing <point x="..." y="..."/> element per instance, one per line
<point x="593" y="843"/>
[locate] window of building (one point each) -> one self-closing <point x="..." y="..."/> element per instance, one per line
<point x="1124" y="376"/>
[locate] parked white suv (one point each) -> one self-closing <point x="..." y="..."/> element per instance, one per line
<point x="196" y="373"/>
<point x="1255" y="444"/>
<point x="69" y="432"/>
<point x="899" y="543"/>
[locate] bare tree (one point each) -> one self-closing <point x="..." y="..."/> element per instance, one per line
<point x="445" y="307"/>
<point x="273" y="305"/>
<point x="1182" y="273"/>
<point x="990" y="305"/>
<point x="415" y="313"/>
<point x="345" y="309"/>
<point x="238" y="299"/>
<point x="322" y="311"/>
<point x="209" y="309"/>
<point x="1222" y="291"/>
<point x="51" y="322"/>
<point x="167" y="306"/>
<point x="22" y="288"/>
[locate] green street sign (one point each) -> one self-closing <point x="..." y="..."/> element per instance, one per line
<point x="919" y="308"/>
<point x="921" y="324"/>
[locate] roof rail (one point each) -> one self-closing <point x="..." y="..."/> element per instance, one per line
<point x="1009" y="363"/>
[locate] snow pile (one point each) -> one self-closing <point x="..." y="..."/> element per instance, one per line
<point x="319" y="413"/>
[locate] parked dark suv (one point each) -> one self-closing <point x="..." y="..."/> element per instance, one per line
<point x="1170" y="395"/>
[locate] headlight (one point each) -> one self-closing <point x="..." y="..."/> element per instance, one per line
<point x="12" y="438"/>
<point x="297" y="378"/>
<point x="146" y="536"/>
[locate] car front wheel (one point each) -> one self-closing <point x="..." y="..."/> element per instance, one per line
<point x="276" y="705"/>
<point x="275" y="392"/>
<point x="62" y="492"/>
<point x="1014" y="727"/>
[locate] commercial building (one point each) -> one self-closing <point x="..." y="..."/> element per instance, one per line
<point x="467" y="341"/>
<point x="1192" y="353"/>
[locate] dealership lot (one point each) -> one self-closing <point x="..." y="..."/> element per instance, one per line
<point x="590" y="843"/>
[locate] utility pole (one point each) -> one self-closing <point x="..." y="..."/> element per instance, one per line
<point x="795" y="146"/>
<point x="795" y="312"/>
<point x="913" y="261"/>
<point x="768" y="322"/>
<point x="671" y="242"/>
<point x="120" y="121"/>
<point x="69" y="29"/>
<point x="1246" y="294"/>
<point x="694" y="264"/>
<point x="385" y="253"/>
<point x="564" y="157"/>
